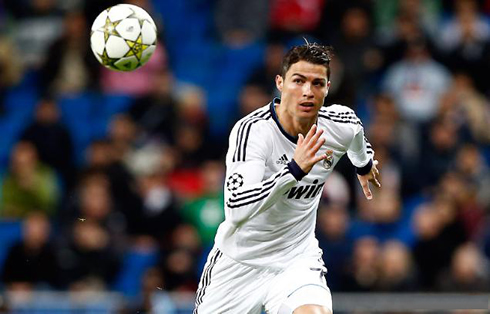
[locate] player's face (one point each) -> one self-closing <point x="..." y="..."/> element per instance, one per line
<point x="304" y="89"/>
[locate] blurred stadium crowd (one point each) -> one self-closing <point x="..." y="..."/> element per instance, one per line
<point x="113" y="181"/>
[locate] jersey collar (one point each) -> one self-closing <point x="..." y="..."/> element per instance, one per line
<point x="275" y="101"/>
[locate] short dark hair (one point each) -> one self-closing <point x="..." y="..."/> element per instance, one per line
<point x="309" y="52"/>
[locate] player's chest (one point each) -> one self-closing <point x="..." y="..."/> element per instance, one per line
<point x="282" y="152"/>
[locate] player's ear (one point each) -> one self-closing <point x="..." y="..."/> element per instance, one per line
<point x="279" y="82"/>
<point x="328" y="87"/>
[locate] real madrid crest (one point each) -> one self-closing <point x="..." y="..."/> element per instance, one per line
<point x="328" y="162"/>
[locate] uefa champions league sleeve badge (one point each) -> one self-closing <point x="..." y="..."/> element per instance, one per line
<point x="234" y="182"/>
<point x="328" y="162"/>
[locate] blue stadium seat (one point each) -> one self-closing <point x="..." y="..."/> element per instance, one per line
<point x="75" y="108"/>
<point x="87" y="116"/>
<point x="222" y="108"/>
<point x="112" y="104"/>
<point x="109" y="105"/>
<point x="195" y="62"/>
<point x="11" y="128"/>
<point x="135" y="263"/>
<point x="77" y="113"/>
<point x="10" y="233"/>
<point x="238" y="63"/>
<point x="20" y="103"/>
<point x="486" y="154"/>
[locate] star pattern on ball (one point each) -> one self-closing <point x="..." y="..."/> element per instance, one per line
<point x="109" y="28"/>
<point x="234" y="182"/>
<point x="133" y="15"/>
<point x="136" y="48"/>
<point x="106" y="60"/>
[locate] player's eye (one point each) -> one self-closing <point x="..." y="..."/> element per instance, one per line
<point x="297" y="81"/>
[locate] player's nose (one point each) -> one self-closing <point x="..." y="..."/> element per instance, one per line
<point x="307" y="91"/>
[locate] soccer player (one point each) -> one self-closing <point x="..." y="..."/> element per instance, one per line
<point x="266" y="256"/>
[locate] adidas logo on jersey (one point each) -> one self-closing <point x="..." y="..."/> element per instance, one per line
<point x="283" y="160"/>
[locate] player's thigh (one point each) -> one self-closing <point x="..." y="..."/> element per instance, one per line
<point x="228" y="287"/>
<point x="308" y="299"/>
<point x="301" y="285"/>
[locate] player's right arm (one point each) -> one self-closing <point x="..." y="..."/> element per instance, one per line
<point x="247" y="192"/>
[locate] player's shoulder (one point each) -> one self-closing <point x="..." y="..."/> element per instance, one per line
<point x="339" y="114"/>
<point x="338" y="109"/>
<point x="257" y="118"/>
<point x="250" y="134"/>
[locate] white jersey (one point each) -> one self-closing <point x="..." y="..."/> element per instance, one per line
<point x="270" y="215"/>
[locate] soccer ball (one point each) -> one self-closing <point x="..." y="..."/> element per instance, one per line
<point x="123" y="37"/>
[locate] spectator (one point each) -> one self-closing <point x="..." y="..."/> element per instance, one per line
<point x="153" y="296"/>
<point x="355" y="51"/>
<point x="439" y="150"/>
<point x="32" y="262"/>
<point x="102" y="157"/>
<point x="416" y="83"/>
<point x="467" y="25"/>
<point x="159" y="213"/>
<point x="363" y="269"/>
<point x="178" y="262"/>
<point x="93" y="202"/>
<point x="205" y="212"/>
<point x="264" y="76"/>
<point x="37" y="26"/>
<point x="192" y="128"/>
<point x="439" y="233"/>
<point x="467" y="109"/>
<point x="191" y="145"/>
<point x="52" y="140"/>
<point x="394" y="146"/>
<point x="239" y="23"/>
<point x="156" y="113"/>
<point x="471" y="54"/>
<point x="88" y="262"/>
<point x="336" y="190"/>
<point x="333" y="237"/>
<point x="471" y="165"/>
<point x="393" y="48"/>
<point x="468" y="271"/>
<point x="427" y="13"/>
<point x="179" y="271"/>
<point x="70" y="66"/>
<point x="28" y="185"/>
<point x="397" y="271"/>
<point x="123" y="134"/>
<point x="293" y="17"/>
<point x="384" y="218"/>
<point x="10" y="64"/>
<point x="138" y="82"/>
<point x="251" y="95"/>
<point x="463" y="193"/>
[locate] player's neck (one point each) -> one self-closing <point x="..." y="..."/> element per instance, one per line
<point x="293" y="125"/>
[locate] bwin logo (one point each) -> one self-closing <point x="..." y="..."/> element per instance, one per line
<point x="305" y="191"/>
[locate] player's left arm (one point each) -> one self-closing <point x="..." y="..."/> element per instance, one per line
<point x="361" y="155"/>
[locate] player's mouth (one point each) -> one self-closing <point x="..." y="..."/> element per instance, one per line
<point x="307" y="106"/>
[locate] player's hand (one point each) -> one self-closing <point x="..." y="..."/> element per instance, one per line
<point x="305" y="154"/>
<point x="373" y="177"/>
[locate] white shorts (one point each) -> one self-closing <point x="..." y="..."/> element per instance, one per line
<point x="227" y="286"/>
